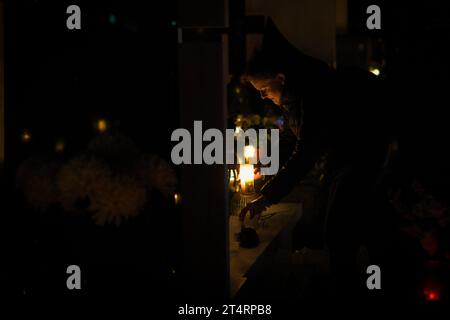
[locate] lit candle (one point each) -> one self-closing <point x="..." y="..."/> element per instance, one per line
<point x="249" y="152"/>
<point x="102" y="125"/>
<point x="246" y="175"/>
<point x="59" y="146"/>
<point x="232" y="180"/>
<point x="26" y="136"/>
<point x="375" y="71"/>
<point x="177" y="198"/>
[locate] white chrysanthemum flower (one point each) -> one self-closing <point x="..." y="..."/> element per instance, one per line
<point x="111" y="182"/>
<point x="156" y="174"/>
<point x="116" y="198"/>
<point x="77" y="179"/>
<point x="111" y="197"/>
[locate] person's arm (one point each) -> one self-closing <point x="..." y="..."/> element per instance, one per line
<point x="302" y="160"/>
<point x="307" y="151"/>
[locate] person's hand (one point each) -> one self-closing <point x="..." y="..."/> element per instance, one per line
<point x="257" y="173"/>
<point x="256" y="207"/>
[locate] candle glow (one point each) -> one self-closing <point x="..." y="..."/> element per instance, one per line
<point x="102" y="125"/>
<point x="177" y="198"/>
<point x="249" y="151"/>
<point x="246" y="174"/>
<point x="59" y="146"/>
<point x="26" y="136"/>
<point x="375" y="71"/>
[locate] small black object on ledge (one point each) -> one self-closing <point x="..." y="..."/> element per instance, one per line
<point x="248" y="238"/>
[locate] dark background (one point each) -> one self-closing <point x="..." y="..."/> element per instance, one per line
<point x="122" y="66"/>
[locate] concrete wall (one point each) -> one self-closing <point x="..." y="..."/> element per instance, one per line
<point x="202" y="66"/>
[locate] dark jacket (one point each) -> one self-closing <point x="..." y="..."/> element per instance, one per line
<point x="332" y="113"/>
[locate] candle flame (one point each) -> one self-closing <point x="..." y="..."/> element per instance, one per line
<point x="375" y="71"/>
<point x="26" y="136"/>
<point x="431" y="295"/>
<point x="102" y="125"/>
<point x="59" y="146"/>
<point x="246" y="175"/>
<point x="177" y="198"/>
<point x="249" y="151"/>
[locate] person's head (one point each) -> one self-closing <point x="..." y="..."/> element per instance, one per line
<point x="266" y="77"/>
<point x="269" y="86"/>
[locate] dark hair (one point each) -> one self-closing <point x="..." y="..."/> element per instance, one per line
<point x="263" y="65"/>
